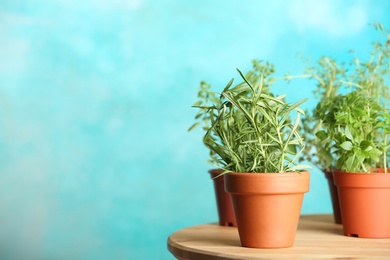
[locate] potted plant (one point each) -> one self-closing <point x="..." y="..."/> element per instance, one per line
<point x="356" y="129"/>
<point x="257" y="145"/>
<point x="333" y="78"/>
<point x="204" y="118"/>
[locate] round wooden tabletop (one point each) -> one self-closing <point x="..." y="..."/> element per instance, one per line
<point x="317" y="237"/>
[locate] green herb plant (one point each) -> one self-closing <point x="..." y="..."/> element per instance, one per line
<point x="328" y="74"/>
<point x="372" y="76"/>
<point x="356" y="125"/>
<point x="252" y="131"/>
<point x="356" y="130"/>
<point x="367" y="83"/>
<point x="208" y="102"/>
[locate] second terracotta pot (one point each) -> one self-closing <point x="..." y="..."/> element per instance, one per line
<point x="224" y="202"/>
<point x="334" y="196"/>
<point x="267" y="206"/>
<point x="364" y="203"/>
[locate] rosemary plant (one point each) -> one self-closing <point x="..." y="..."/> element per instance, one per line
<point x="252" y="131"/>
<point x="208" y="102"/>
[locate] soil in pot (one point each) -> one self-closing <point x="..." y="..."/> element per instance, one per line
<point x="364" y="203"/>
<point x="224" y="202"/>
<point x="267" y="206"/>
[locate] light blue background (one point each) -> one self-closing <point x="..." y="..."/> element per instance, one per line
<point x="95" y="102"/>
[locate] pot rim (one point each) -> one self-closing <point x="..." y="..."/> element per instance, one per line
<point x="267" y="183"/>
<point x="361" y="179"/>
<point x="268" y="173"/>
<point x="378" y="171"/>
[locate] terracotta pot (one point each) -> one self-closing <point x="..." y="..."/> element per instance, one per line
<point x="334" y="197"/>
<point x="267" y="206"/>
<point x="224" y="202"/>
<point x="364" y="203"/>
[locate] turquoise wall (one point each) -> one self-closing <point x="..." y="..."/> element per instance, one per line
<point x="95" y="102"/>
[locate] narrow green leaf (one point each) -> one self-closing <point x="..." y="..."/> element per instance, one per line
<point x="278" y="100"/>
<point x="265" y="114"/>
<point x="247" y="82"/>
<point x="238" y="105"/>
<point x="273" y="138"/>
<point x="193" y="126"/>
<point x="198" y="116"/>
<point x="297" y="120"/>
<point x="294" y="106"/>
<point x="228" y="85"/>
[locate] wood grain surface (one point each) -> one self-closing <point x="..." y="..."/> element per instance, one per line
<point x="317" y="238"/>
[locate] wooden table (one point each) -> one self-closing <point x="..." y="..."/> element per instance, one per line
<point x="317" y="238"/>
